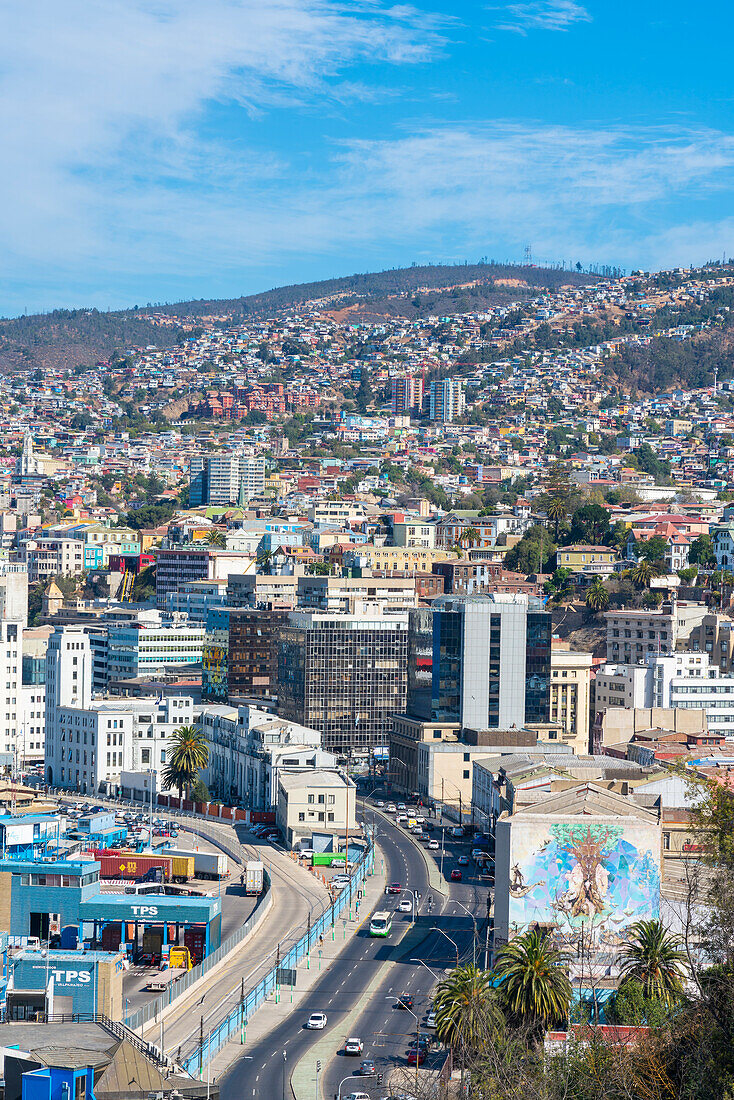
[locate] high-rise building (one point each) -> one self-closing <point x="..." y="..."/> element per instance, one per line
<point x="447" y="400"/>
<point x="11" y="653"/>
<point x="225" y="478"/>
<point x="407" y="395"/>
<point x="252" y="661"/>
<point x="491" y="661"/>
<point x="345" y="675"/>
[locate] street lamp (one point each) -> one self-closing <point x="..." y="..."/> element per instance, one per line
<point x="431" y="972"/>
<point x="417" y="1036"/>
<point x="350" y="1078"/>
<point x="285" y="1058"/>
<point x="474" y="943"/>
<point x="456" y="946"/>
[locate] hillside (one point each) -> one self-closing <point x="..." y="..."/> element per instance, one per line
<point x="79" y="337"/>
<point x="401" y="292"/>
<point x="82" y="337"/>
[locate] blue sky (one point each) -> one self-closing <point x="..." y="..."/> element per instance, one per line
<point x="154" y="150"/>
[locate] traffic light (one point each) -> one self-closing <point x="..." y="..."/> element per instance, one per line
<point x="379" y="1078"/>
<point x="318" y="1066"/>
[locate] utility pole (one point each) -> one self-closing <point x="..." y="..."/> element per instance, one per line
<point x="486" y="938"/>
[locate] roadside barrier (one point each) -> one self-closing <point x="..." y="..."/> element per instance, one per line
<point x="237" y="1019"/>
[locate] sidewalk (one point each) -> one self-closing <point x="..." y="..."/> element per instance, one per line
<point x="273" y="1012"/>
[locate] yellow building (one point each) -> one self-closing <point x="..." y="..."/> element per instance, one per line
<point x="569" y="696"/>
<point x="400" y="558"/>
<point x="583" y="559"/>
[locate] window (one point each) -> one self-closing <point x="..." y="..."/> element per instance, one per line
<point x="302" y="817"/>
<point x="466" y="773"/>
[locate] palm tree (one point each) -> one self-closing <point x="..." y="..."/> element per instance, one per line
<point x="466" y="1010"/>
<point x="188" y="753"/>
<point x="644" y="571"/>
<point x="597" y="598"/>
<point x="556" y="512"/>
<point x="533" y="983"/>
<point x="654" y="957"/>
<point x="216" y="537"/>
<point x="470" y="537"/>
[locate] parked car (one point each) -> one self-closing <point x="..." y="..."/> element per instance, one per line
<point x="414" y="1056"/>
<point x="431" y="1019"/>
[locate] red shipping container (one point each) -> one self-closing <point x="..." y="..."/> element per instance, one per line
<point x="195" y="940"/>
<point x="130" y="866"/>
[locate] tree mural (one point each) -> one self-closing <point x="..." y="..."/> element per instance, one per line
<point x="588" y="881"/>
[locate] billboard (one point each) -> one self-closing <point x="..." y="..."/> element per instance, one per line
<point x="590" y="878"/>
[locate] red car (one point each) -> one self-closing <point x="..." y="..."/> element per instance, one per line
<point x="456" y="875"/>
<point x="419" y="1054"/>
<point x="393" y="888"/>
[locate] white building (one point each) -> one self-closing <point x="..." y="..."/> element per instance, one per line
<point x="447" y="401"/>
<point x="633" y="635"/>
<point x="315" y="806"/>
<point x="680" y="680"/>
<point x="11" y="652"/>
<point x="89" y="742"/>
<point x="32" y="740"/>
<point x="146" y="645"/>
<point x="249" y="748"/>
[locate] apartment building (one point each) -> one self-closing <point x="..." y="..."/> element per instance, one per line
<point x="447" y="400"/>
<point x="633" y="635"/>
<point x="407" y="395"/>
<point x="225" y="478"/>
<point x="569" y="695"/>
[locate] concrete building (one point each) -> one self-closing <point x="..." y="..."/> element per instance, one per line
<point x="197" y="598"/>
<point x="150" y="643"/>
<point x="345" y="675"/>
<point x="447" y="400"/>
<point x="352" y="595"/>
<point x="409" y="532"/>
<point x="407" y="395"/>
<point x="248" y="750"/>
<point x="14" y="592"/>
<point x="315" y="807"/>
<point x="491" y="661"/>
<point x="89" y="742"/>
<point x="634" y="634"/>
<point x="584" y="863"/>
<point x="11" y="703"/>
<point x="225" y="478"/>
<point x="176" y="568"/>
<point x="569" y="695"/>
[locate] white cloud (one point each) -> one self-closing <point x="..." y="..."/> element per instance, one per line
<point x="541" y="15"/>
<point x="103" y="105"/>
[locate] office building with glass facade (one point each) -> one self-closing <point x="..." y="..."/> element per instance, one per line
<point x="345" y="675"/>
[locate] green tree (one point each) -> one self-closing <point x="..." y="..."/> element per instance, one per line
<point x="590" y="524"/>
<point x="701" y="552"/>
<point x="644" y="572"/>
<point x="216" y="537"/>
<point x="556" y="512"/>
<point x="631" y="1006"/>
<point x="187" y="754"/>
<point x="654" y="549"/>
<point x="597" y="597"/>
<point x="466" y="1009"/>
<point x="535" y="546"/>
<point x="656" y="958"/>
<point x="533" y="984"/>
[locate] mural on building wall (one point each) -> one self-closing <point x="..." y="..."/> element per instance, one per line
<point x="591" y="880"/>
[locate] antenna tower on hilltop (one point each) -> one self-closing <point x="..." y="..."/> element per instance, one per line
<point x="528" y="255"/>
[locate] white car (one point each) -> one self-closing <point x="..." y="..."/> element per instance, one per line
<point x="431" y="1019"/>
<point x="316" y="1021"/>
<point x="405" y="906"/>
<point x="353" y="1046"/>
<point x="391" y="809"/>
<point x="433" y="845"/>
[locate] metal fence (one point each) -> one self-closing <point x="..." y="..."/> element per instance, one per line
<point x="150" y="1010"/>
<point x="237" y="1019"/>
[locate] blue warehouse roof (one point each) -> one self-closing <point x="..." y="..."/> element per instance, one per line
<point x="150" y="908"/>
<point x="51" y="866"/>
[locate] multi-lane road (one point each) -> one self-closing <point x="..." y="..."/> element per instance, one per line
<point x="385" y="1030"/>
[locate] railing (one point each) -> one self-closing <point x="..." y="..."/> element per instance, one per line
<point x="254" y="998"/>
<point x="114" y="1027"/>
<point x="150" y="1010"/>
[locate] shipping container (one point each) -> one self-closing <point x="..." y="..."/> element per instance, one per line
<point x="254" y="874"/>
<point x="206" y="864"/>
<point x="195" y="940"/>
<point x="131" y="867"/>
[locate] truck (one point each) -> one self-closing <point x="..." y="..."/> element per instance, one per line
<point x="254" y="874"/>
<point x="206" y="864"/>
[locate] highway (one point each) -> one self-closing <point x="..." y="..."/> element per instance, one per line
<point x="385" y="1030"/>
